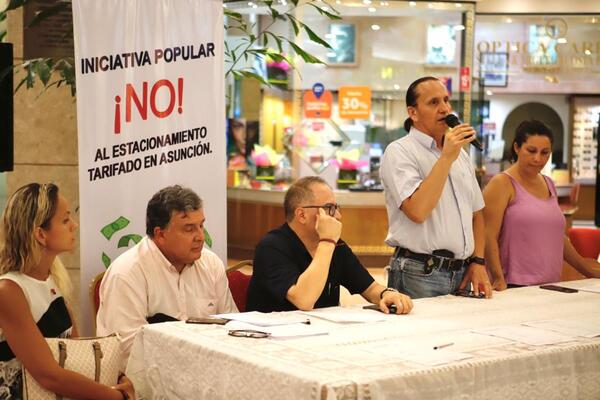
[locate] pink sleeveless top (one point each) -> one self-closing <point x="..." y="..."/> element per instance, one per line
<point x="532" y="237"/>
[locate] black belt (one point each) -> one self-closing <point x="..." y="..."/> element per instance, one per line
<point x="439" y="259"/>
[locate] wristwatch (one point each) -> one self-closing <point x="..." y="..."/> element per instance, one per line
<point x="388" y="289"/>
<point x="477" y="260"/>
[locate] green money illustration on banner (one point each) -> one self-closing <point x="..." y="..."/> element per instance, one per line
<point x="124" y="241"/>
<point x="109" y="230"/>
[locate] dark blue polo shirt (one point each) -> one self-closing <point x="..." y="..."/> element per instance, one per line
<point x="281" y="257"/>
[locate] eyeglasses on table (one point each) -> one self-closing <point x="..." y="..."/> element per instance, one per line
<point x="249" y="333"/>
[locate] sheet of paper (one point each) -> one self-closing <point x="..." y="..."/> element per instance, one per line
<point x="280" y="331"/>
<point x="346" y="315"/>
<point x="266" y="319"/>
<point x="587" y="285"/>
<point x="420" y="354"/>
<point x="588" y="327"/>
<point x="526" y="334"/>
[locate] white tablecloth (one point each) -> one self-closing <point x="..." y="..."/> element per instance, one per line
<point x="184" y="361"/>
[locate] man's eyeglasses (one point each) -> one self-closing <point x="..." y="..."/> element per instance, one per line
<point x="330" y="208"/>
<point x="248" y="333"/>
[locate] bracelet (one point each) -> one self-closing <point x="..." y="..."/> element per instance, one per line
<point x="328" y="241"/>
<point x="387" y="289"/>
<point x="477" y="260"/>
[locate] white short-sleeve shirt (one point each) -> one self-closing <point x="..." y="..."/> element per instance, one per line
<point x="405" y="164"/>
<point x="141" y="283"/>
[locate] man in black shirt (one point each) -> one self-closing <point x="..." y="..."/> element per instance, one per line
<point x="302" y="264"/>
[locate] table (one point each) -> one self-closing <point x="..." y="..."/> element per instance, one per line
<point x="184" y="361"/>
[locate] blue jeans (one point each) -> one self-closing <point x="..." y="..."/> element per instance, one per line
<point x="409" y="277"/>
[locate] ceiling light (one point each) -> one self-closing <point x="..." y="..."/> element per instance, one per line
<point x="375" y="27"/>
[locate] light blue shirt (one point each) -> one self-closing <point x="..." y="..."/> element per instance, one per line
<point x="405" y="164"/>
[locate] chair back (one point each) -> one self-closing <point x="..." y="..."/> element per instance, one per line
<point x="571" y="207"/>
<point x="94" y="292"/>
<point x="574" y="195"/>
<point x="238" y="283"/>
<point x="586" y="241"/>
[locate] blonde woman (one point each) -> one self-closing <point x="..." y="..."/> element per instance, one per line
<point x="34" y="290"/>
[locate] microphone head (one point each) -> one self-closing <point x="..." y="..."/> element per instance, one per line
<point x="452" y="120"/>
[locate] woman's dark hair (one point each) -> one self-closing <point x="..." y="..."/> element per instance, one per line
<point x="412" y="96"/>
<point x="526" y="129"/>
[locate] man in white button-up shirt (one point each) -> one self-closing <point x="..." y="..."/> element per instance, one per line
<point x="168" y="275"/>
<point x="433" y="201"/>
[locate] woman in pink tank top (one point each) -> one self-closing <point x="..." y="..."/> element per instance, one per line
<point x="525" y="228"/>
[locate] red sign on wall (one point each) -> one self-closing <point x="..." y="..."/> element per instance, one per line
<point x="465" y="79"/>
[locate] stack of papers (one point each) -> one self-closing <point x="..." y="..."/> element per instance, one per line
<point x="347" y="315"/>
<point x="588" y="328"/>
<point x="266" y="319"/>
<point x="588" y="285"/>
<point x="526" y="334"/>
<point x="424" y="355"/>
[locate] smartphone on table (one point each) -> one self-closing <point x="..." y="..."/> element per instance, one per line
<point x="559" y="288"/>
<point x="207" y="320"/>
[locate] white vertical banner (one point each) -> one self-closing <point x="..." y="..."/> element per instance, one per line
<point x="150" y="113"/>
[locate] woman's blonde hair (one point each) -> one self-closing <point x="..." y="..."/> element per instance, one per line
<point x="30" y="207"/>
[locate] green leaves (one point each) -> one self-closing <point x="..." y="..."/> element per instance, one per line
<point x="43" y="69"/>
<point x="281" y="13"/>
<point x="252" y="42"/>
<point x="314" y="37"/>
<point x="332" y="16"/>
<point x="309" y="58"/>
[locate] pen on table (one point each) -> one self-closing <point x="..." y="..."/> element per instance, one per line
<point x="441" y="346"/>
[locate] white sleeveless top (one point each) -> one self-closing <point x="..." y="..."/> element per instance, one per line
<point x="50" y="314"/>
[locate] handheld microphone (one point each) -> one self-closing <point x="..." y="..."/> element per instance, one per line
<point x="452" y="120"/>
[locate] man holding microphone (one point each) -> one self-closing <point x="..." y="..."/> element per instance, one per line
<point x="433" y="201"/>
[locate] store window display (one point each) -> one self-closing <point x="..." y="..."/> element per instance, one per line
<point x="241" y="137"/>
